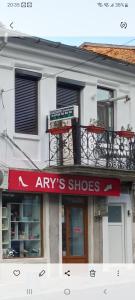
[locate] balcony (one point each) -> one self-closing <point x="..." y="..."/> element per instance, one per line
<point x="79" y="146"/>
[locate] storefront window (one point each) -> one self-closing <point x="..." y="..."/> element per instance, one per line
<point x="21" y="225"/>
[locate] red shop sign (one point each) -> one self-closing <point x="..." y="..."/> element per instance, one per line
<point x="29" y="181"/>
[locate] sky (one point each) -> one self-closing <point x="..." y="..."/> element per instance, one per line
<point x="72" y="21"/>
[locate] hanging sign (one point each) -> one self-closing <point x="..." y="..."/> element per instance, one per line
<point x="64" y="113"/>
<point x="33" y="181"/>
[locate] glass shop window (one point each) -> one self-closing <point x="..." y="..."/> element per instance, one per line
<point x="21" y="225"/>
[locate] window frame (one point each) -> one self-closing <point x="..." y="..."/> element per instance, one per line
<point x="107" y="105"/>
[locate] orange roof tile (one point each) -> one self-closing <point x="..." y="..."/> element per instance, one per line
<point x="126" y="54"/>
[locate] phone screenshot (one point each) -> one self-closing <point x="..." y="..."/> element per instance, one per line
<point x="67" y="150"/>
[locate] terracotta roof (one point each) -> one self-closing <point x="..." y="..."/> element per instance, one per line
<point x="126" y="54"/>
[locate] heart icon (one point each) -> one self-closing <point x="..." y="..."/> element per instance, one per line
<point x="16" y="272"/>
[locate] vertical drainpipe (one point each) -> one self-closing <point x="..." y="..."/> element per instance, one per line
<point x="133" y="219"/>
<point x="105" y="233"/>
<point x="60" y="228"/>
<point x="1" y="224"/>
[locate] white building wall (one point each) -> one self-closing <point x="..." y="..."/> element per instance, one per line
<point x="90" y="74"/>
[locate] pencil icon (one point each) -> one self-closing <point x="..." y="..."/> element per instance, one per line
<point x="42" y="273"/>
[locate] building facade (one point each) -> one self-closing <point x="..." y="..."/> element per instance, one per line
<point x="67" y="192"/>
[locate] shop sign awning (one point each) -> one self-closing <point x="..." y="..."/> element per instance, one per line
<point x="33" y="181"/>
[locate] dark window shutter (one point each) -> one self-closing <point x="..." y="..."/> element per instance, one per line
<point x="26" y="104"/>
<point x="67" y="95"/>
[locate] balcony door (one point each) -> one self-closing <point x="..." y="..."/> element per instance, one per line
<point x="74" y="230"/>
<point x="105" y="108"/>
<point x="69" y="144"/>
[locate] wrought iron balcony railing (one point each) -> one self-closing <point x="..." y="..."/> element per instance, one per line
<point x="79" y="145"/>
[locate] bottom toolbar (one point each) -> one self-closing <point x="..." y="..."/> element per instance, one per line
<point x="66" y="281"/>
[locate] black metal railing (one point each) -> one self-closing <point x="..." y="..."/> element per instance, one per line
<point x="80" y="146"/>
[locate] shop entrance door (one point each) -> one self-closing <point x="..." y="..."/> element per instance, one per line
<point x="75" y="230"/>
<point x="116" y="233"/>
